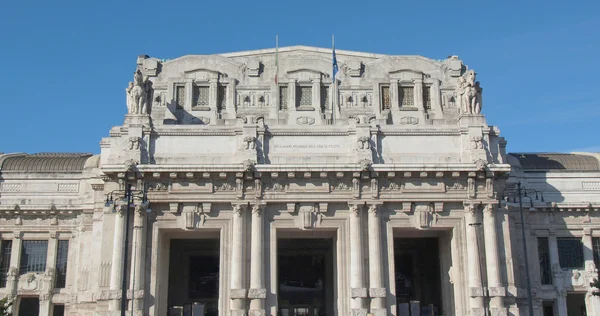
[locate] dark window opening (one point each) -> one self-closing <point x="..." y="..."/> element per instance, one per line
<point x="570" y="252"/>
<point x="61" y="263"/>
<point x="5" y="254"/>
<point x="544" y="258"/>
<point x="33" y="256"/>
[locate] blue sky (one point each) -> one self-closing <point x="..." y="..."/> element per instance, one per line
<point x="66" y="64"/>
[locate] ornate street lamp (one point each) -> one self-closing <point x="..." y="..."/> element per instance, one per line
<point x="512" y="195"/>
<point x="127" y="196"/>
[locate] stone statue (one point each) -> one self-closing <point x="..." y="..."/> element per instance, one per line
<point x="469" y="93"/>
<point x="138" y="94"/>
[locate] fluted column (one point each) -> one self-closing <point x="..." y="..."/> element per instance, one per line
<point x="592" y="302"/>
<point x="116" y="270"/>
<point x="558" y="274"/>
<point x="12" y="279"/>
<point x="475" y="286"/>
<point x="137" y="273"/>
<point x="237" y="292"/>
<point x="495" y="288"/>
<point x="257" y="292"/>
<point x="357" y="284"/>
<point x="377" y="290"/>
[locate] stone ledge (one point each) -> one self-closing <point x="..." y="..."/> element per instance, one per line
<point x="257" y="293"/>
<point x="237" y="293"/>
<point x="358" y="292"/>
<point x="377" y="292"/>
<point x="106" y="295"/>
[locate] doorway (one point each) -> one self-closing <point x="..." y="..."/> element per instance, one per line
<point x="29" y="306"/>
<point x="305" y="277"/>
<point x="576" y="304"/>
<point x="417" y="276"/>
<point x="194" y="276"/>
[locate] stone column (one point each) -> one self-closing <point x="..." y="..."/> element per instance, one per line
<point x="436" y="103"/>
<point x="496" y="290"/>
<point x="357" y="284"/>
<point x="592" y="302"/>
<point x="418" y="94"/>
<point x="474" y="261"/>
<point x="12" y="279"/>
<point x="212" y="95"/>
<point x="377" y="290"/>
<point x="138" y="259"/>
<point x="237" y="292"/>
<point x="557" y="274"/>
<point x="394" y="95"/>
<point x="291" y="95"/>
<point x="46" y="292"/>
<point x="316" y="94"/>
<point x="116" y="270"/>
<point x="257" y="292"/>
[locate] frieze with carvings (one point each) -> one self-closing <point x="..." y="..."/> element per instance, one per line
<point x="158" y="186"/>
<point x="340" y="185"/>
<point x="274" y="186"/>
<point x="390" y="185"/>
<point x="223" y="186"/>
<point x="456" y="186"/>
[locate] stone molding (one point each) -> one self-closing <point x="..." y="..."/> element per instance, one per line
<point x="497" y="291"/>
<point x="237" y="293"/>
<point x="358" y="292"/>
<point x="498" y="311"/>
<point x="378" y="311"/>
<point x="377" y="292"/>
<point x="478" y="311"/>
<point x="257" y="293"/>
<point x="476" y="291"/>
<point x="256" y="312"/>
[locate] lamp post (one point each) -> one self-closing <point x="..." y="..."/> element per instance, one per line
<point x="519" y="193"/>
<point x="128" y="196"/>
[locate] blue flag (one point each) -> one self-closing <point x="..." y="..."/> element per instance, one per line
<point x="335" y="66"/>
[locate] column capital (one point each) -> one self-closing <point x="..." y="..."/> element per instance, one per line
<point x="490" y="208"/>
<point x="17" y="234"/>
<point x="587" y="231"/>
<point x="258" y="208"/>
<point x="470" y="207"/>
<point x="238" y="208"/>
<point x="354" y="207"/>
<point x="374" y="209"/>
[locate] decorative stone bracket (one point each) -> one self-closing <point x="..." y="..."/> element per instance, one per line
<point x="257" y="293"/>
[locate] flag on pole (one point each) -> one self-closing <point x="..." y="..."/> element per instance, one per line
<point x="335" y="65"/>
<point x="276" y="58"/>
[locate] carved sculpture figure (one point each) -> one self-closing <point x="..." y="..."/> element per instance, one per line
<point x="249" y="142"/>
<point x="468" y="93"/>
<point x="363" y="143"/>
<point x="477" y="142"/>
<point x="134" y="143"/>
<point x="138" y="94"/>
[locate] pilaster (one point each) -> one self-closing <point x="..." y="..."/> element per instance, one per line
<point x="496" y="290"/>
<point x="116" y="273"/>
<point x="358" y="291"/>
<point x="237" y="291"/>
<point x="476" y="290"/>
<point x="257" y="292"/>
<point x="136" y="284"/>
<point x="377" y="290"/>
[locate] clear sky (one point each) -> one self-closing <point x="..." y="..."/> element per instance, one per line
<point x="65" y="64"/>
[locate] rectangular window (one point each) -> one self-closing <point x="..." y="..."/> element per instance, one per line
<point x="548" y="309"/>
<point x="29" y="306"/>
<point x="62" y="255"/>
<point x="200" y="96"/>
<point x="427" y="97"/>
<point x="222" y="97"/>
<point x="407" y="96"/>
<point x="180" y="96"/>
<point x="596" y="249"/>
<point x="304" y="96"/>
<point x="570" y="252"/>
<point x="33" y="256"/>
<point x="385" y="97"/>
<point x="325" y="98"/>
<point x="5" y="252"/>
<point x="544" y="258"/>
<point x="58" y="310"/>
<point x="283" y="97"/>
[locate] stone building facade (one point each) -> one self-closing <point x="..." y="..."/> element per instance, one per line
<point x="263" y="186"/>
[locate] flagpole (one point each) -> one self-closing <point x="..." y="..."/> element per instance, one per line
<point x="334" y="85"/>
<point x="277" y="92"/>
